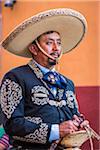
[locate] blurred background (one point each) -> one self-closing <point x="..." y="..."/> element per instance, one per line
<point x="80" y="65"/>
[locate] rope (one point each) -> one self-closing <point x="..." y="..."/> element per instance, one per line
<point x="90" y="138"/>
<point x="91" y="133"/>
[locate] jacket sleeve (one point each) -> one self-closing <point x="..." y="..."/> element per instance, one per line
<point x="13" y="107"/>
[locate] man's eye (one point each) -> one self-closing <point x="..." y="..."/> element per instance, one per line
<point x="59" y="43"/>
<point x="48" y="43"/>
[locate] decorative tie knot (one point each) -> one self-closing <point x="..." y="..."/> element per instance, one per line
<point x="55" y="79"/>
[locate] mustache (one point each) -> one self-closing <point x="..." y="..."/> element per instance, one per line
<point x="55" y="53"/>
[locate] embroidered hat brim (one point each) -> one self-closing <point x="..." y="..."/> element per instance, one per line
<point x="69" y="23"/>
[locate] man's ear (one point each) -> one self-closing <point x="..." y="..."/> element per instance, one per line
<point x="33" y="49"/>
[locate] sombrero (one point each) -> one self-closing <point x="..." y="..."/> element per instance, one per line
<point x="69" y="23"/>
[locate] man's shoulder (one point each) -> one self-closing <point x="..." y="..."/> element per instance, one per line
<point x="67" y="79"/>
<point x="17" y="71"/>
<point x="70" y="83"/>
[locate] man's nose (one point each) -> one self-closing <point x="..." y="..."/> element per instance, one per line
<point x="55" y="47"/>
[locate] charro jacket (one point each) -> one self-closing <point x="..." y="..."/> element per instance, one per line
<point x="29" y="106"/>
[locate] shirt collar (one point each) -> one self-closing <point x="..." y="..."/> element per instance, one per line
<point x="43" y="69"/>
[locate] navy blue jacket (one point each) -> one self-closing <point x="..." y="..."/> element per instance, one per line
<point x="29" y="106"/>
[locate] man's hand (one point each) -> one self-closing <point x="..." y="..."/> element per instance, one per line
<point x="84" y="124"/>
<point x="80" y="121"/>
<point x="67" y="127"/>
<point x="72" y="125"/>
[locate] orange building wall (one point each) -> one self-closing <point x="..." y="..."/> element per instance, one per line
<point x="81" y="65"/>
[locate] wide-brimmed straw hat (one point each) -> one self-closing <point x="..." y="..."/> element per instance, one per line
<point x="69" y="23"/>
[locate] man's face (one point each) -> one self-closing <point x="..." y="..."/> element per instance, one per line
<point x="51" y="44"/>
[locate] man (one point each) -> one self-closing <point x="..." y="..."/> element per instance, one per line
<point x="38" y="103"/>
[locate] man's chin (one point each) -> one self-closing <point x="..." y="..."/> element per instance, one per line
<point x="52" y="62"/>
